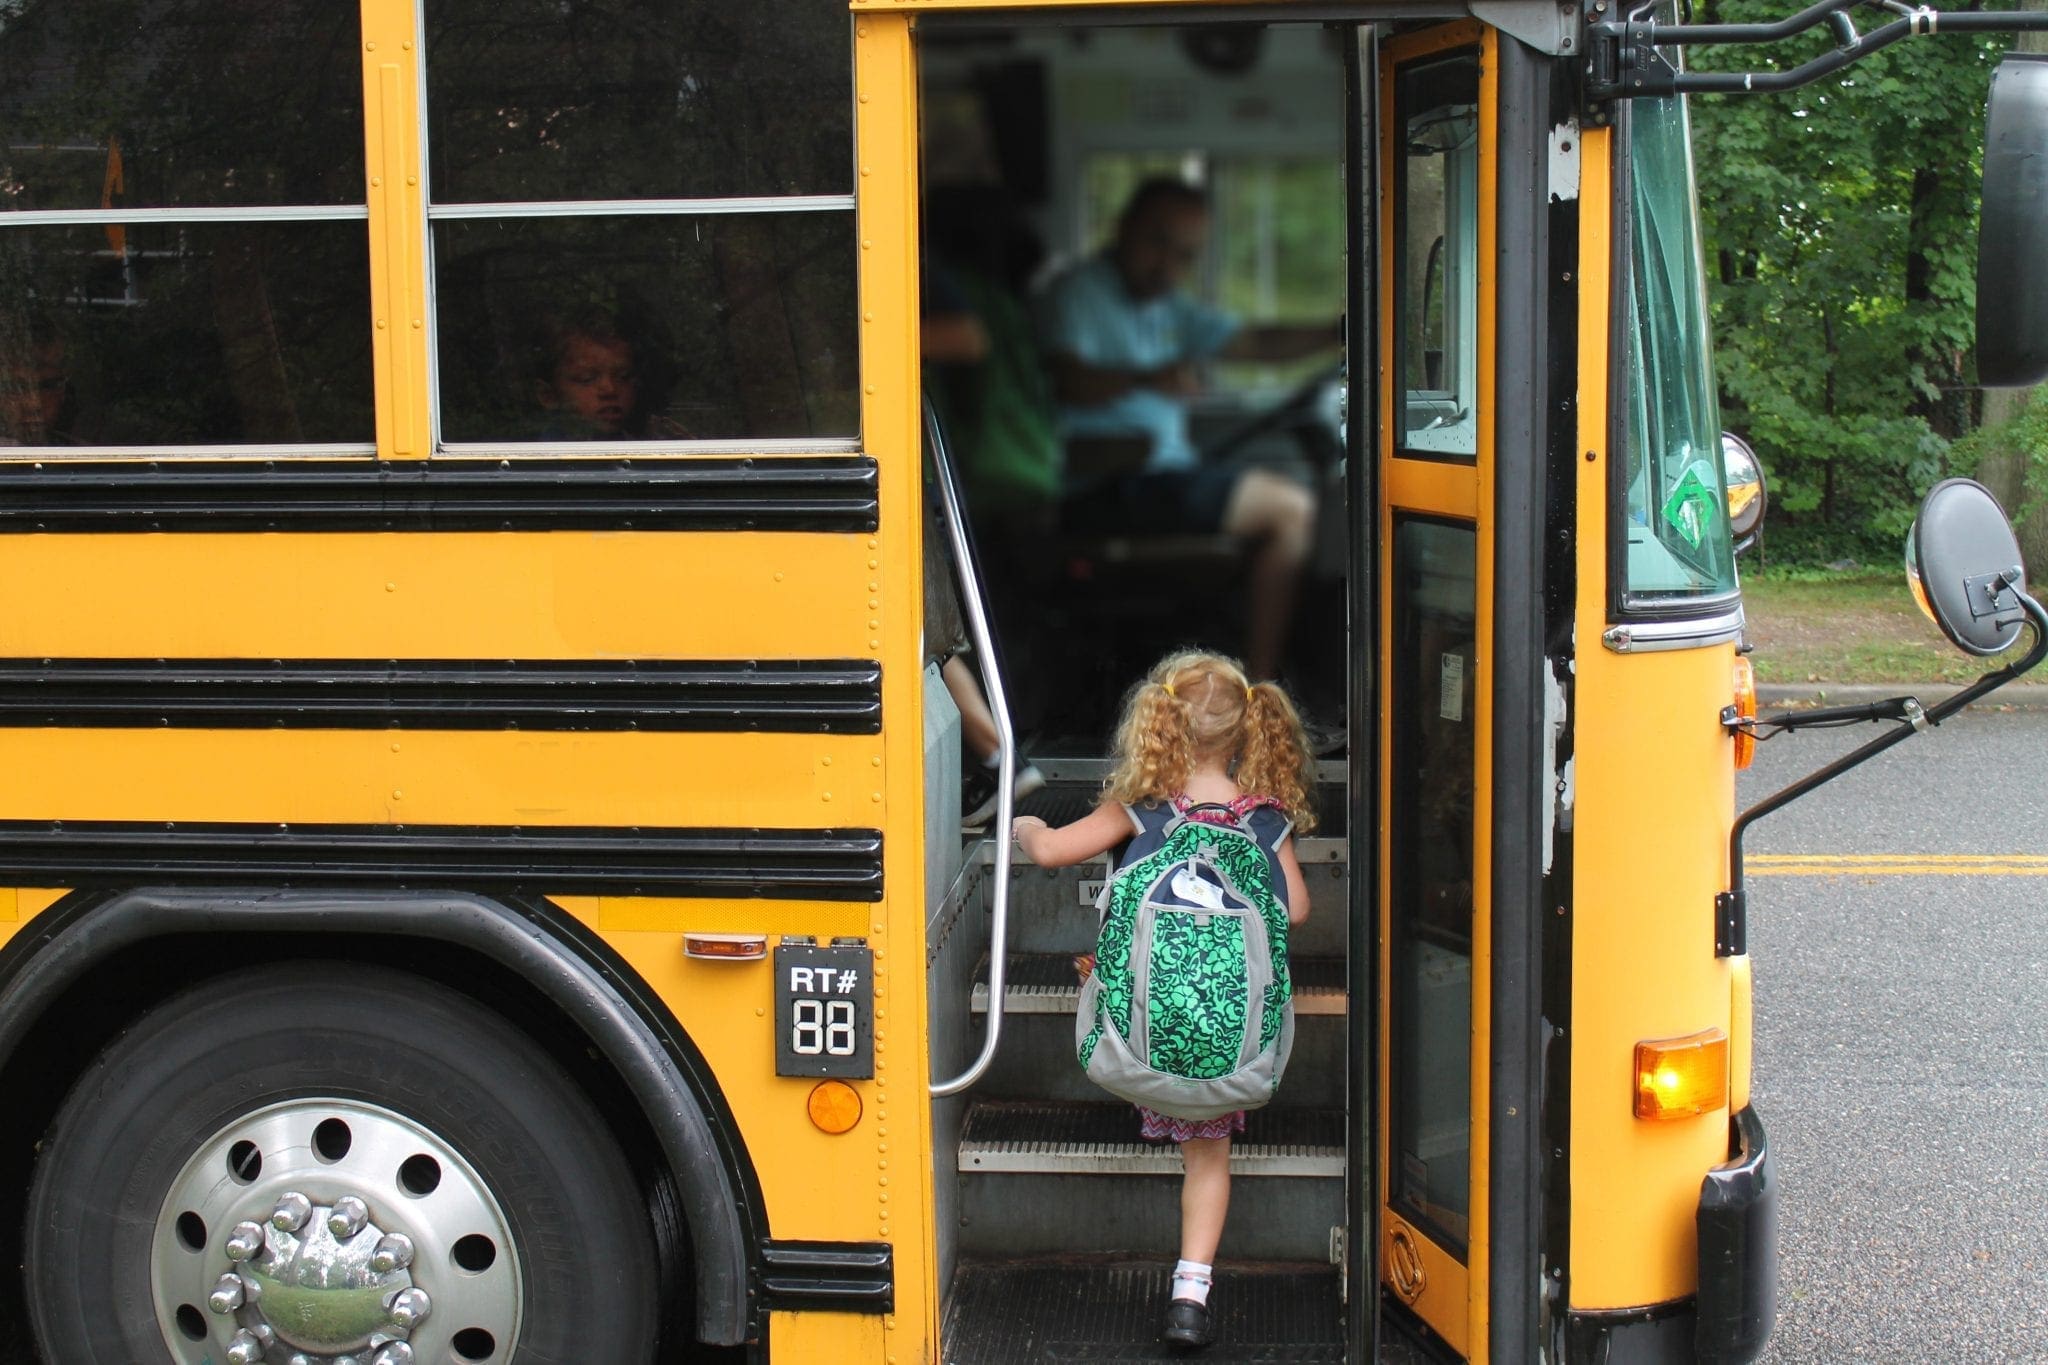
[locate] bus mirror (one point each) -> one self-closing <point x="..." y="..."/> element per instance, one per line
<point x="1746" y="497"/>
<point x="2012" y="239"/>
<point x="1963" y="564"/>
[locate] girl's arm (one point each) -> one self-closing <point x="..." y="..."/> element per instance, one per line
<point x="1297" y="884"/>
<point x="1093" y="835"/>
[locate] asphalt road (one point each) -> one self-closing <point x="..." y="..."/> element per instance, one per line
<point x="1899" y="927"/>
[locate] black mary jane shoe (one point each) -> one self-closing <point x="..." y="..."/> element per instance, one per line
<point x="1187" y="1325"/>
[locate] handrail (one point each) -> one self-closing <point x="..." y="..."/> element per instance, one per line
<point x="1006" y="749"/>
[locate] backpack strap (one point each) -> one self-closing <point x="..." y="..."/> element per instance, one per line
<point x="1268" y="824"/>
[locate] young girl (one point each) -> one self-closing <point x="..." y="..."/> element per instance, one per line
<point x="1198" y="736"/>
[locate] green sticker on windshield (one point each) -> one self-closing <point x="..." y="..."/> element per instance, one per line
<point x="1690" y="508"/>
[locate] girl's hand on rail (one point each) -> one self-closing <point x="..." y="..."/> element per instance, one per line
<point x="1027" y="830"/>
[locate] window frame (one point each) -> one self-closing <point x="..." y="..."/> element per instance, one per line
<point x="357" y="212"/>
<point x="660" y="207"/>
<point x="1667" y="621"/>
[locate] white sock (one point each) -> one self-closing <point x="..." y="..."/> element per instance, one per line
<point x="1191" y="1281"/>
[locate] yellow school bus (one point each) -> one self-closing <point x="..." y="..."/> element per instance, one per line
<point x="480" y="856"/>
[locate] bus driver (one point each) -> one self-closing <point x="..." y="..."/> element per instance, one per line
<point x="1123" y="340"/>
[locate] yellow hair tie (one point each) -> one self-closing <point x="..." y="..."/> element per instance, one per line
<point x="1247" y="691"/>
<point x="1169" y="689"/>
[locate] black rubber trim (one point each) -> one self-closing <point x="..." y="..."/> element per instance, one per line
<point x="794" y="864"/>
<point x="1560" y="593"/>
<point x="832" y="1277"/>
<point x="1364" y="687"/>
<point x="1659" y="1334"/>
<point x="1523" y="1293"/>
<point x="667" y="1076"/>
<point x="809" y="696"/>
<point x="1738" y="1242"/>
<point x="744" y="493"/>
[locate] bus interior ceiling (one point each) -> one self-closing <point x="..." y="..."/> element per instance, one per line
<point x="1034" y="139"/>
<point x="1057" y="1226"/>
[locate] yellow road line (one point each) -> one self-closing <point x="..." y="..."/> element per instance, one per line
<point x="1898" y="865"/>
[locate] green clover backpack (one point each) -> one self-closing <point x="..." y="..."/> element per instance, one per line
<point x="1189" y="1009"/>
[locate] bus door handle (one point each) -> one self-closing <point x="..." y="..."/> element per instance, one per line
<point x="1006" y="752"/>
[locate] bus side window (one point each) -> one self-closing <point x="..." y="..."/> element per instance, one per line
<point x="205" y="331"/>
<point x="739" y="316"/>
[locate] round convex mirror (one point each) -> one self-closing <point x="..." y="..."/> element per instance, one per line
<point x="1746" y="498"/>
<point x="1963" y="562"/>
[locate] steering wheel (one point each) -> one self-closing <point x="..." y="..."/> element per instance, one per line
<point x="1298" y="410"/>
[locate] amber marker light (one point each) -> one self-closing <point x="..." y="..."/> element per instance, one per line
<point x="1677" y="1078"/>
<point x="1745" y="711"/>
<point x="726" y="947"/>
<point x="834" y="1106"/>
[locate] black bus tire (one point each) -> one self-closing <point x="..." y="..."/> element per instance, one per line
<point x="271" y="1047"/>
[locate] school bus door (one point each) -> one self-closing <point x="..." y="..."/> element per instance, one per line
<point x="1434" y="537"/>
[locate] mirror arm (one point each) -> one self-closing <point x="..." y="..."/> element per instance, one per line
<point x="1731" y="917"/>
<point x="1624" y="61"/>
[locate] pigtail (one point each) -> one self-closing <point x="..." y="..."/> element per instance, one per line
<point x="1154" y="744"/>
<point x="1276" y="761"/>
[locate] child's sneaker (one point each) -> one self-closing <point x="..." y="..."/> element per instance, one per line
<point x="1187" y="1325"/>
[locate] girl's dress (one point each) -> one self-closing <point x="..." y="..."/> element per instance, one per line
<point x="1259" y="813"/>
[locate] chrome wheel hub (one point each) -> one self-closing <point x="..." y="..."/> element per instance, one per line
<point x="333" y="1232"/>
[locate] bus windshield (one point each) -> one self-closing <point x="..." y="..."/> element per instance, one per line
<point x="1679" y="546"/>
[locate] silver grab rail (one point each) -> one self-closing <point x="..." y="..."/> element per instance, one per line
<point x="1006" y="751"/>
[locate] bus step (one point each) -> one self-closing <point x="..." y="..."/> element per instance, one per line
<point x="1046" y="983"/>
<point x="1084" y="1137"/>
<point x="1086" y="1310"/>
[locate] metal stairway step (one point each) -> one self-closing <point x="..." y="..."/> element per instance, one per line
<point x="1081" y="1137"/>
<point x="1046" y="983"/>
<point x="1093" y="1310"/>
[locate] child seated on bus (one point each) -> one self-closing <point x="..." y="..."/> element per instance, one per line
<point x="1198" y="744"/>
<point x="590" y="384"/>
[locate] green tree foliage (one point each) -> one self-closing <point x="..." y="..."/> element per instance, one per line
<point x="1840" y="225"/>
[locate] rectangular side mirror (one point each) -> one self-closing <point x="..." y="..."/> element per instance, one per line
<point x="2012" y="239"/>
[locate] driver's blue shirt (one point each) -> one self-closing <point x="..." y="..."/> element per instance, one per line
<point x="1087" y="313"/>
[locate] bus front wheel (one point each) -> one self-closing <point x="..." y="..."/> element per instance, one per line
<point x="323" y="1161"/>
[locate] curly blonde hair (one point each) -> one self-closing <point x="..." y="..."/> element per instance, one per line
<point x="1193" y="706"/>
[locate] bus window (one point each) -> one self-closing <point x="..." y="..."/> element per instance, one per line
<point x="1438" y="251"/>
<point x="189" y="106"/>
<point x="659" y="192"/>
<point x="1435" y="671"/>
<point x="1679" y="544"/>
<point x="253" y="327"/>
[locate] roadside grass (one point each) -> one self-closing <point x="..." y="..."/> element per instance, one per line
<point x="1817" y="626"/>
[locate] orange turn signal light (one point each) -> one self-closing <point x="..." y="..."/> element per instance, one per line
<point x="834" y="1106"/>
<point x="1745" y="710"/>
<point x="1677" y="1078"/>
<point x="726" y="947"/>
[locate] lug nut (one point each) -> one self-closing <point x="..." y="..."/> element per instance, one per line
<point x="409" y="1308"/>
<point x="394" y="1252"/>
<point x="245" y="1349"/>
<point x="397" y="1353"/>
<point x="291" y="1212"/>
<point x="245" y="1242"/>
<point x="300" y="1358"/>
<point x="228" y="1294"/>
<point x="350" y="1213"/>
